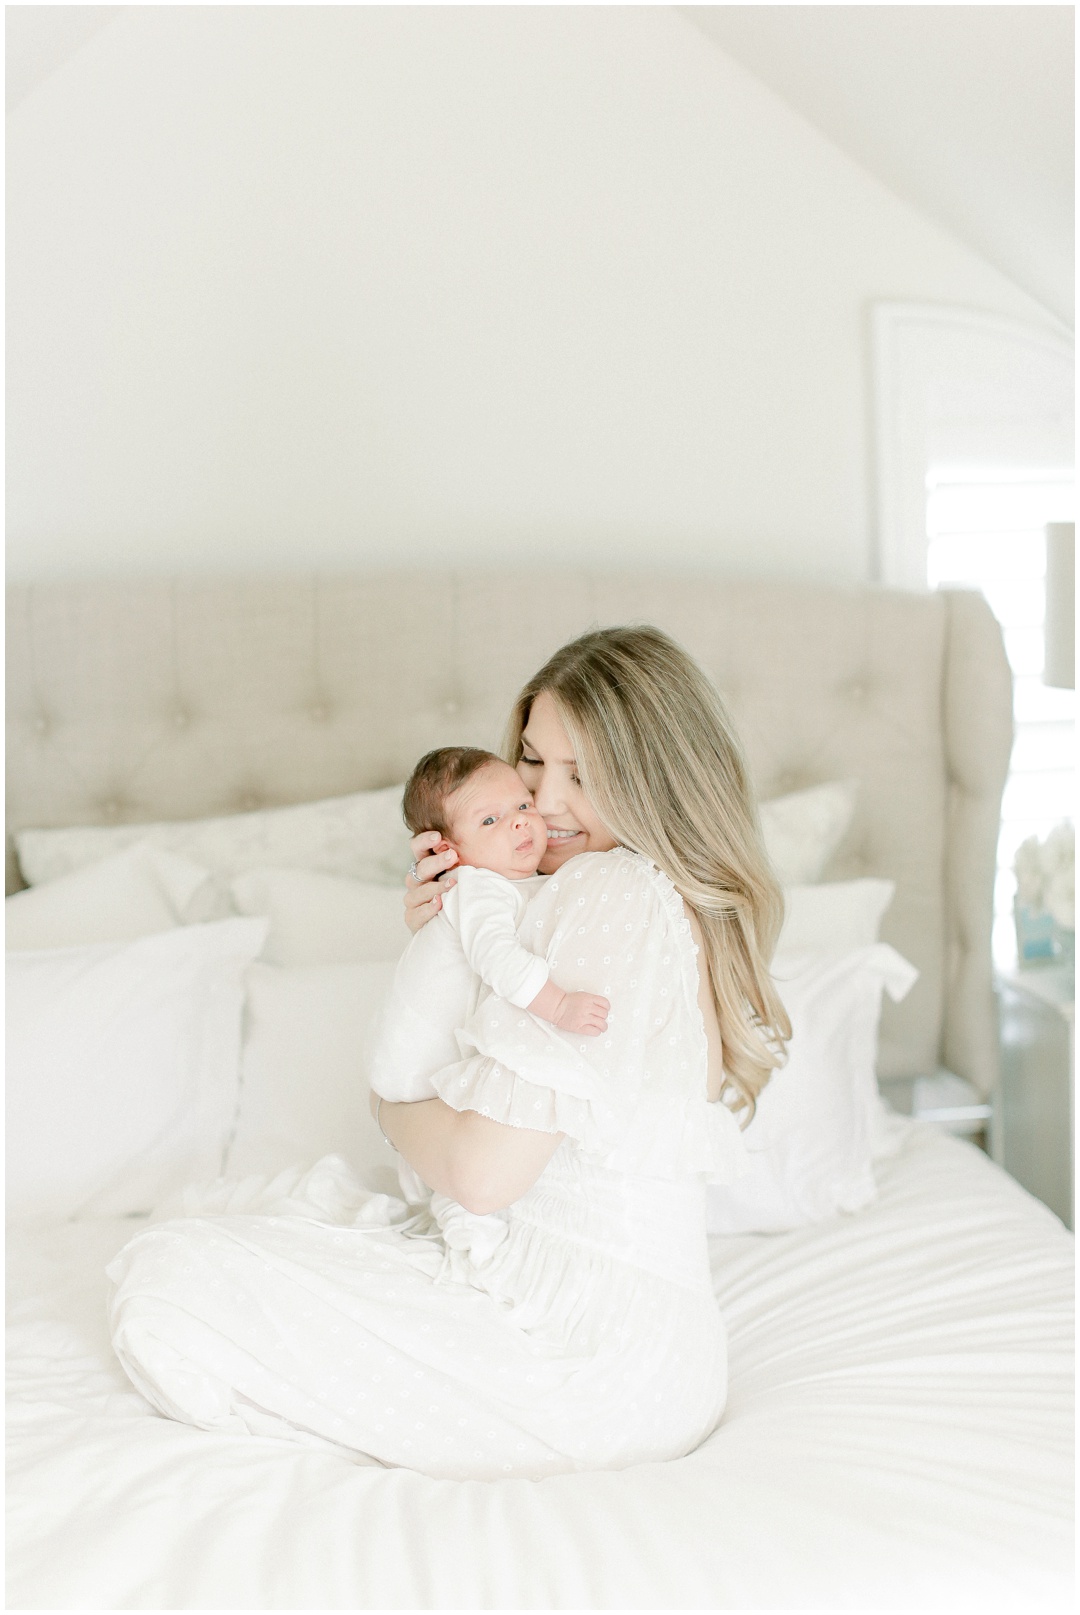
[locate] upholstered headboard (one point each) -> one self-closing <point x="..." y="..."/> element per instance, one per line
<point x="155" y="699"/>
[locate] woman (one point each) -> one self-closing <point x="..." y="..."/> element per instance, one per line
<point x="573" y="1324"/>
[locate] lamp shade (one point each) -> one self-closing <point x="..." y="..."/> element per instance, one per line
<point x="1059" y="667"/>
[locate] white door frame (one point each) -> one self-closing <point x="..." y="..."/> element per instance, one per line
<point x="958" y="385"/>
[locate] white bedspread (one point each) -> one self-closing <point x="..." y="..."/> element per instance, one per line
<point x="898" y="1436"/>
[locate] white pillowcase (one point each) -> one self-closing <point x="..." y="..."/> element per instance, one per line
<point x="304" y="1078"/>
<point x="811" y="1141"/>
<point x="361" y="835"/>
<point x="122" y="1065"/>
<point x="329" y="919"/>
<point x="836" y="917"/>
<point x="803" y="830"/>
<point x="130" y="894"/>
<point x="323" y="919"/>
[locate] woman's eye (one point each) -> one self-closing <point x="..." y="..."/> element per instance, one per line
<point x="531" y="762"/>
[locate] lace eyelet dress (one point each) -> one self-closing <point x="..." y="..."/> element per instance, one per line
<point x="576" y="1330"/>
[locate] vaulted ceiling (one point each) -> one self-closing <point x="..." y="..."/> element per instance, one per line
<point x="964" y="111"/>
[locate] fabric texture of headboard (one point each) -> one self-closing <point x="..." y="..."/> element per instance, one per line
<point x="147" y="699"/>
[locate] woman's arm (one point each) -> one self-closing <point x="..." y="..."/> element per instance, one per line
<point x="482" y="1164"/>
<point x="423" y="899"/>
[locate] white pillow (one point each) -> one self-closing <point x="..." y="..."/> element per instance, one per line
<point x="304" y="1075"/>
<point x="323" y="919"/>
<point x="812" y="1136"/>
<point x="837" y="917"/>
<point x="122" y="1068"/>
<point x="329" y="919"/>
<point x="361" y="835"/>
<point x="803" y="830"/>
<point x="130" y="894"/>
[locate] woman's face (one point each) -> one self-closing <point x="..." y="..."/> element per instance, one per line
<point x="548" y="768"/>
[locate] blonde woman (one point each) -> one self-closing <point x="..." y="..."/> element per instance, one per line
<point x="573" y="1325"/>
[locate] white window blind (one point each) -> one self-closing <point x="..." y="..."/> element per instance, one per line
<point x="986" y="531"/>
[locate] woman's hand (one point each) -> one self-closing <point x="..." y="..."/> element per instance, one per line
<point x="423" y="898"/>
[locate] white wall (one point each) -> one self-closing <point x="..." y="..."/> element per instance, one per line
<point x="345" y="286"/>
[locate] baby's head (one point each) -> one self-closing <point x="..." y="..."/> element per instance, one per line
<point x="479" y="805"/>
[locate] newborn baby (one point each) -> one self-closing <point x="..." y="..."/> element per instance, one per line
<point x="479" y="804"/>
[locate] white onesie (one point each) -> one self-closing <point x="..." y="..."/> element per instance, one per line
<point x="472" y="940"/>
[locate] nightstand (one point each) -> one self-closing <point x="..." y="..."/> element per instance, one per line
<point x="949" y="1101"/>
<point x="1032" y="1129"/>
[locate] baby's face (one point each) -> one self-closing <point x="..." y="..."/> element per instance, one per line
<point x="494" y="825"/>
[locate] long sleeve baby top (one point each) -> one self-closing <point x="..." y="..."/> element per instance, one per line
<point x="484" y="909"/>
<point x="472" y="941"/>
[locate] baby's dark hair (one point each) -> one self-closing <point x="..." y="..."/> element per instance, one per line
<point x="435" y="777"/>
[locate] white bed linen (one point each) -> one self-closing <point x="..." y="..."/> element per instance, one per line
<point x="897" y="1436"/>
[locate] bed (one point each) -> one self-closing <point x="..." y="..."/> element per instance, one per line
<point x="898" y="1432"/>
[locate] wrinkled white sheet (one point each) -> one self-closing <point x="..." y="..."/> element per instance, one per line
<point x="898" y="1436"/>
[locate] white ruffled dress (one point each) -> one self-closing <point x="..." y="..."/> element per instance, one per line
<point x="577" y="1330"/>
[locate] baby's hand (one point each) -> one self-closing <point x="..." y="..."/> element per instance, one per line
<point x="586" y="1013"/>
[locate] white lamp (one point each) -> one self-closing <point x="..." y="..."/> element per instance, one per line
<point x="1059" y="666"/>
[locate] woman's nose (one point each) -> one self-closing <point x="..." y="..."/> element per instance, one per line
<point x="546" y="798"/>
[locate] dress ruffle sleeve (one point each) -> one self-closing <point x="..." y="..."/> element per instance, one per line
<point x="635" y="1097"/>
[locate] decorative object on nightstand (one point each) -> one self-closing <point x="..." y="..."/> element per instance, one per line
<point x="1045" y="905"/>
<point x="1032" y="1132"/>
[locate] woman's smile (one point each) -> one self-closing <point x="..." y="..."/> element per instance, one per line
<point x="549" y="769"/>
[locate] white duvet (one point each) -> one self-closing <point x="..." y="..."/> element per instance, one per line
<point x="898" y="1435"/>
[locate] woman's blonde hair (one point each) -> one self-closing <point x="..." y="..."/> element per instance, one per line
<point x="659" y="760"/>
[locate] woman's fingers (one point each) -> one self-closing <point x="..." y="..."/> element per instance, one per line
<point x="435" y="864"/>
<point x="422" y="903"/>
<point x="423" y="900"/>
<point x="425" y="842"/>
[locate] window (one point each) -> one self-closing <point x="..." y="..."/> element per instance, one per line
<point x="985" y="530"/>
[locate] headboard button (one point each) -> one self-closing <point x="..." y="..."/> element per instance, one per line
<point x="450" y="707"/>
<point x="41" y="725"/>
<point x="111" y="808"/>
<point x="319" y="712"/>
<point x="181" y="720"/>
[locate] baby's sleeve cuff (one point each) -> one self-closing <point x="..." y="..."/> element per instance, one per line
<point x="536" y="977"/>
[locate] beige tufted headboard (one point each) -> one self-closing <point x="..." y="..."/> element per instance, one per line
<point x="155" y="699"/>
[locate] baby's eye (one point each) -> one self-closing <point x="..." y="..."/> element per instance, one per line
<point x="524" y="807"/>
<point x="489" y="820"/>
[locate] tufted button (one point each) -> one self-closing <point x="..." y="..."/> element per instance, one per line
<point x="450" y="707"/>
<point x="249" y="801"/>
<point x="320" y="712"/>
<point x="857" y="689"/>
<point x="181" y="719"/>
<point x="112" y="807"/>
<point x="41" y="725"/>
